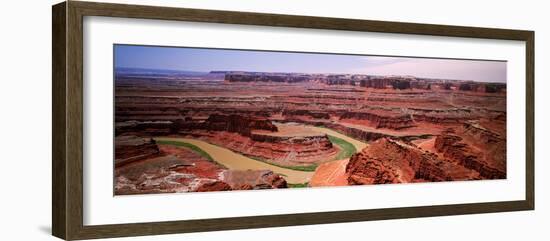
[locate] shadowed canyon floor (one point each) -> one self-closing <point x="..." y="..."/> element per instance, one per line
<point x="243" y="131"/>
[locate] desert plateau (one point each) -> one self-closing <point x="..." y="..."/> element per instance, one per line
<point x="218" y="130"/>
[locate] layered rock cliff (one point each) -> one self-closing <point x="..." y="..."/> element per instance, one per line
<point x="243" y="125"/>
<point x="133" y="148"/>
<point x="453" y="147"/>
<point x="237" y="123"/>
<point x="391" y="161"/>
<point x="379" y="120"/>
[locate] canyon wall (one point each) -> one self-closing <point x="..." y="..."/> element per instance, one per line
<point x="392" y="161"/>
<point x="452" y="147"/>
<point x="378" y="120"/>
<point x="133" y="148"/>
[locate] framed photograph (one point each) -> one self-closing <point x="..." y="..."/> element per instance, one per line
<point x="170" y="120"/>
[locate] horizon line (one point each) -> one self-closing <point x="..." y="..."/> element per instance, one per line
<point x="245" y="71"/>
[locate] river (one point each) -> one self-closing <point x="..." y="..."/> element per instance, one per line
<point x="236" y="161"/>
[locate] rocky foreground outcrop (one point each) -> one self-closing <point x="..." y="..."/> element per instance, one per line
<point x="252" y="179"/>
<point x="391" y="161"/>
<point x="453" y="147"/>
<point x="213" y="186"/>
<point x="174" y="169"/>
<point x="243" y="180"/>
<point x="179" y="169"/>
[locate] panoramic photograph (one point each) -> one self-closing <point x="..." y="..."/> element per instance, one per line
<point x="202" y="119"/>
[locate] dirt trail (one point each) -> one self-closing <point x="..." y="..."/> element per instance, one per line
<point x="237" y="161"/>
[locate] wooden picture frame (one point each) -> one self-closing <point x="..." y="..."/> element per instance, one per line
<point x="67" y="152"/>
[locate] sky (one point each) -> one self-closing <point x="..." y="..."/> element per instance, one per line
<point x="205" y="60"/>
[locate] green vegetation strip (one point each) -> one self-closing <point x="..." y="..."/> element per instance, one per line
<point x="194" y="148"/>
<point x="347" y="149"/>
<point x="297" y="185"/>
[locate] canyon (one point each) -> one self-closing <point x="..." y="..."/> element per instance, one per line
<point x="251" y="130"/>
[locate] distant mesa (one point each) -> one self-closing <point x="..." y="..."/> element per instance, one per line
<point x="369" y="81"/>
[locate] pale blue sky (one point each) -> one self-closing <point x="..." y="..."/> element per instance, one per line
<point x="204" y="60"/>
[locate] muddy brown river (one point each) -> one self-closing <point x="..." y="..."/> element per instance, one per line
<point x="236" y="161"/>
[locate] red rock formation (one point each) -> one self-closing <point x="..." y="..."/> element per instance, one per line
<point x="378" y="83"/>
<point x="133" y="148"/>
<point x="354" y="132"/>
<point x="439" y="118"/>
<point x="331" y="173"/>
<point x="371" y="171"/>
<point x="452" y="147"/>
<point x="253" y="179"/>
<point x="174" y="169"/>
<point x="307" y="113"/>
<point x="380" y="119"/>
<point x="237" y="123"/>
<point x="390" y="161"/>
<point x="241" y="124"/>
<point x="481" y="134"/>
<point x="214" y="186"/>
<point x="383" y="161"/>
<point x="250" y="136"/>
<point x="284" y="150"/>
<point x="482" y="87"/>
<point x="150" y="128"/>
<point x="241" y="115"/>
